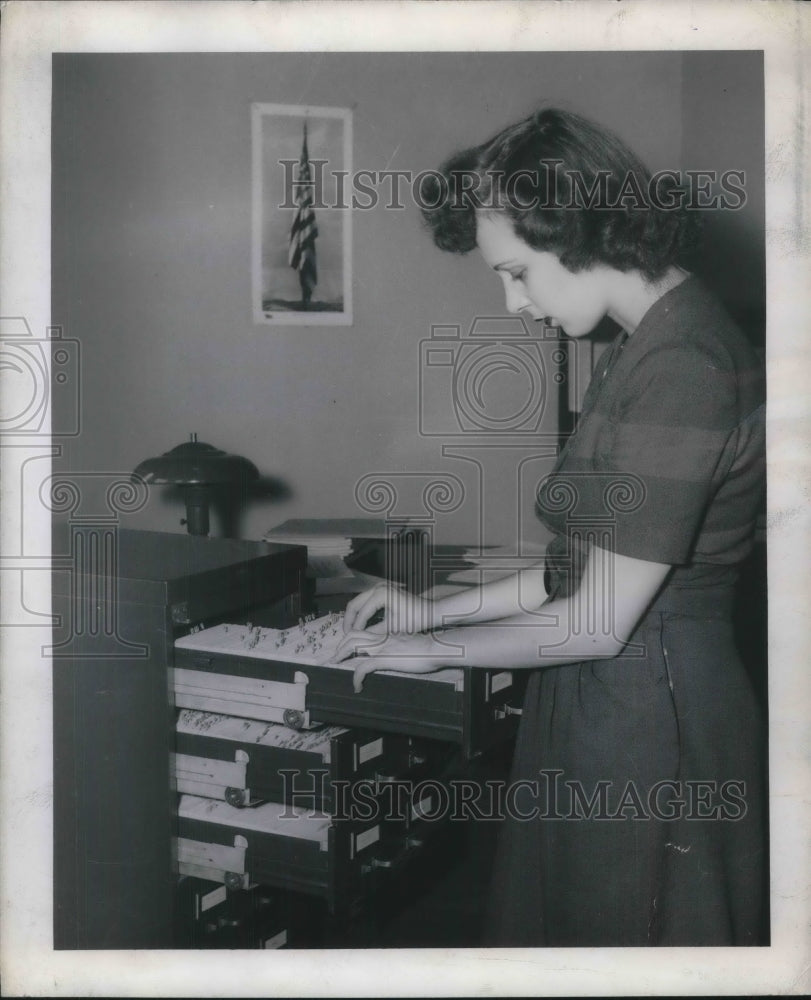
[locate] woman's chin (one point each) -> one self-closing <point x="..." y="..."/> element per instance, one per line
<point x="576" y="331"/>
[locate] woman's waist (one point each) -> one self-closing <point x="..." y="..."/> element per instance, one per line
<point x="716" y="600"/>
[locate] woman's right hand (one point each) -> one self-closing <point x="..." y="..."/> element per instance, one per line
<point x="402" y="612"/>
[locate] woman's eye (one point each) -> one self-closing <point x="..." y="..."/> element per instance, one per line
<point x="518" y="275"/>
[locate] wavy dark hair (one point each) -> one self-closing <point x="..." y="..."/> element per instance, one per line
<point x="569" y="187"/>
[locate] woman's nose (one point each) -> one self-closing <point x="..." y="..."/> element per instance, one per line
<point x="515" y="298"/>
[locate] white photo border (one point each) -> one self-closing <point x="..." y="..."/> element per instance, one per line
<point x="33" y="31"/>
<point x="261" y="114"/>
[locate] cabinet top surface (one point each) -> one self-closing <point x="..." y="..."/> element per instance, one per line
<point x="164" y="556"/>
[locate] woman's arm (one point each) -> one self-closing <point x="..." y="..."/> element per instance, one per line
<point x="512" y="595"/>
<point x="593" y="623"/>
<point x="516" y="594"/>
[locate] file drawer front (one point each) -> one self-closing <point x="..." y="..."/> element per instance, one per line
<point x="275" y="845"/>
<point x="472" y="708"/>
<point x="209" y="915"/>
<point x="241" y="760"/>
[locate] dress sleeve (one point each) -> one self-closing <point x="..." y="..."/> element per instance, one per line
<point x="670" y="431"/>
<point x="644" y="469"/>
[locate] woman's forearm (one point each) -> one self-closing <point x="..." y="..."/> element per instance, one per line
<point x="528" y="641"/>
<point x="519" y="593"/>
<point x="595" y="622"/>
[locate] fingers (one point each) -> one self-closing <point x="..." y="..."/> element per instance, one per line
<point x="365" y="667"/>
<point x="358" y="643"/>
<point x="345" y="648"/>
<point x="402" y="664"/>
<point x="361" y="608"/>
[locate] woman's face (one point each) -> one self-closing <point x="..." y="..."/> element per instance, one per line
<point x="537" y="283"/>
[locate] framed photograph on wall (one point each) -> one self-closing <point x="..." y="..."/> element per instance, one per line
<point x="302" y="225"/>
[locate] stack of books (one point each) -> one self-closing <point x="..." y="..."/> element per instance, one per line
<point x="332" y="546"/>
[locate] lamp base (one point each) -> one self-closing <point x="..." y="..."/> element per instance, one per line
<point x="197" y="505"/>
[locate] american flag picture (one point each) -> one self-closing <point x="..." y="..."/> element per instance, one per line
<point x="304" y="231"/>
<point x="302" y="225"/>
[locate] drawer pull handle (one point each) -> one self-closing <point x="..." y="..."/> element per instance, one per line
<point x="504" y="710"/>
<point x="235" y="797"/>
<point x="233" y="880"/>
<point x="293" y="718"/>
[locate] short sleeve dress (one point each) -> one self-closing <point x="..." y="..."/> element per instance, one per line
<point x="636" y="813"/>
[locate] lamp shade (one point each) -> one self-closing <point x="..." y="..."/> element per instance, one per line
<point x="196" y="463"/>
<point x="197" y="467"/>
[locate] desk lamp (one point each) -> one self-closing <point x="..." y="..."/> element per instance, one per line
<point x="196" y="468"/>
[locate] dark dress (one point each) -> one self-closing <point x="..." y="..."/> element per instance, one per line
<point x="643" y="774"/>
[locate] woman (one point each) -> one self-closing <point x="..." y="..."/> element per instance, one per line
<point x="638" y="819"/>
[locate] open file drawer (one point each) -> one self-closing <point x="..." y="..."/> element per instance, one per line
<point x="244" y="760"/>
<point x="284" y="847"/>
<point x="474" y="708"/>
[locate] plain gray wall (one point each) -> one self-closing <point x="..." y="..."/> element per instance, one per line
<point x="151" y="256"/>
<point x="723" y="129"/>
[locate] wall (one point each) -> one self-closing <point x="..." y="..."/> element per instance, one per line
<point x="151" y="262"/>
<point x="723" y="101"/>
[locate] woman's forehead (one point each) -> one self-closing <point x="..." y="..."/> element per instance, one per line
<point x="496" y="237"/>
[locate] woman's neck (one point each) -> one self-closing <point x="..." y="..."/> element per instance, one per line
<point x="631" y="294"/>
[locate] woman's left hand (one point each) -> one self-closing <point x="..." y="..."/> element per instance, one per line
<point x="412" y="654"/>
